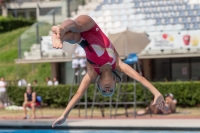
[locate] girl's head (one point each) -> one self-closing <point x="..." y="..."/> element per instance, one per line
<point x="106" y="82"/>
<point x="28" y="89"/>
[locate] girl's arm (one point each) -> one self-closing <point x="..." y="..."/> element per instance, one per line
<point x="81" y="90"/>
<point x="158" y="100"/>
<point x="88" y="78"/>
<point x="25" y="98"/>
<point x="135" y="75"/>
<point x="33" y="97"/>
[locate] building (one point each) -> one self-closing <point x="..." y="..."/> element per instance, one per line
<point x="30" y="49"/>
<point x="42" y="10"/>
<point x="172" y="25"/>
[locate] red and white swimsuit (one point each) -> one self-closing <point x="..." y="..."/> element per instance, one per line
<point x="98" y="48"/>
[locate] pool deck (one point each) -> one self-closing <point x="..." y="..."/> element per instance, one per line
<point x="118" y="124"/>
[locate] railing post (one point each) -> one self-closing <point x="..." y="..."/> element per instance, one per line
<point x="19" y="48"/>
<point x="68" y="9"/>
<point x="54" y="17"/>
<point x="41" y="54"/>
<point x="37" y="33"/>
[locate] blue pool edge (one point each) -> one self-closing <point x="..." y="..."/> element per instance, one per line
<point x="98" y="128"/>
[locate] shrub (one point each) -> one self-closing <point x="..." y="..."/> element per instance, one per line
<point x="186" y="93"/>
<point x="9" y="23"/>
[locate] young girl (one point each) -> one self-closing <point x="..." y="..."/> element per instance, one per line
<point x="102" y="60"/>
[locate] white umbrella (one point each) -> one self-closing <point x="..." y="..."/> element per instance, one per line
<point x="128" y="41"/>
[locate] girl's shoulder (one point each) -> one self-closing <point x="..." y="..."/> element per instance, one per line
<point x="118" y="62"/>
<point x="92" y="73"/>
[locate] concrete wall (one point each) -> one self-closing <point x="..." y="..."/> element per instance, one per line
<point x="27" y="5"/>
<point x="147" y="67"/>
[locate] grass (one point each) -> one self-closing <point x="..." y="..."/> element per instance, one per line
<point x="9" y="52"/>
<point x="49" y="112"/>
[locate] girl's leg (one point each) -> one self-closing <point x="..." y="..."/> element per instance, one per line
<point x="25" y="111"/>
<point x="33" y="110"/>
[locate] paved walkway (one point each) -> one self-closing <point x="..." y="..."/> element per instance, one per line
<point x="137" y="124"/>
<point x="106" y="117"/>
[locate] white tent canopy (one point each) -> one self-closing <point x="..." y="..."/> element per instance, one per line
<point x="127" y="41"/>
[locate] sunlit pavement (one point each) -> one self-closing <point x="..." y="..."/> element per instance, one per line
<point x="168" y="124"/>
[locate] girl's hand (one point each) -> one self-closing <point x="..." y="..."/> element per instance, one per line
<point x="59" y="121"/>
<point x="159" y="102"/>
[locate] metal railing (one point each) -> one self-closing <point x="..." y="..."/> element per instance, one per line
<point x="32" y="35"/>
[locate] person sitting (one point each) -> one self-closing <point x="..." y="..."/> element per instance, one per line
<point x="30" y="101"/>
<point x="170" y="106"/>
<point x="3" y="95"/>
<point x="171" y="102"/>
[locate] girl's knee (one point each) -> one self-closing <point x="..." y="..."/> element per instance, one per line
<point x="24" y="104"/>
<point x="33" y="105"/>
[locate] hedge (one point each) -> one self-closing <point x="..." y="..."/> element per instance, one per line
<point x="186" y="93"/>
<point x="9" y="23"/>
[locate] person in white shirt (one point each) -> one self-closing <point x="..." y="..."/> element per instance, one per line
<point x="49" y="82"/>
<point x="22" y="82"/>
<point x="55" y="81"/>
<point x="79" y="59"/>
<point x="3" y="91"/>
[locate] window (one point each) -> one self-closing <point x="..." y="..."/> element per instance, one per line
<point x="49" y="11"/>
<point x="180" y="69"/>
<point x="161" y="69"/>
<point x="195" y="68"/>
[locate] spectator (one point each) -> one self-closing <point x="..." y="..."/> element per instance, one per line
<point x="22" y="82"/>
<point x="55" y="81"/>
<point x="1" y="105"/>
<point x="79" y="59"/>
<point x="35" y="83"/>
<point x="3" y="96"/>
<point x="49" y="82"/>
<point x="171" y="102"/>
<point x="29" y="84"/>
<point x="30" y="101"/>
<point x="170" y="105"/>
